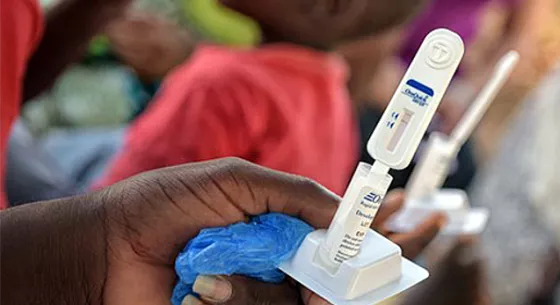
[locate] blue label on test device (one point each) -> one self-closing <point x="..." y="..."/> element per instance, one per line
<point x="372" y="197"/>
<point x="419" y="93"/>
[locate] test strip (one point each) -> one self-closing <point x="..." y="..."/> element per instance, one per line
<point x="401" y="128"/>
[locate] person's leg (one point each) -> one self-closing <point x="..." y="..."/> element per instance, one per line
<point x="32" y="174"/>
<point x="84" y="153"/>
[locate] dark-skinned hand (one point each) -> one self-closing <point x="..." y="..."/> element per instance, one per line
<point x="414" y="242"/>
<point x="118" y="246"/>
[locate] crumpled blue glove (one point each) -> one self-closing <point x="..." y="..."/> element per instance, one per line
<point x="253" y="249"/>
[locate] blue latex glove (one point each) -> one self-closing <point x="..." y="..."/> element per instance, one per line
<point x="253" y="249"/>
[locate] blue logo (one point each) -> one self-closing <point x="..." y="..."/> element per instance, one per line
<point x="419" y="93"/>
<point x="372" y="197"/>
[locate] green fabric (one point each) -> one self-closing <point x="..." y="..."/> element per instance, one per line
<point x="99" y="46"/>
<point x="221" y="24"/>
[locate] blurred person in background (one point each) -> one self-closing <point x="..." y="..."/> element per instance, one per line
<point x="35" y="51"/>
<point x="521" y="187"/>
<point x="120" y="71"/>
<point x="73" y="129"/>
<point x="527" y="76"/>
<point x="70" y="131"/>
<point x="283" y="104"/>
<point x="374" y="78"/>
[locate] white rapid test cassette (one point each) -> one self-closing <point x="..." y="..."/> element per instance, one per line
<point x="350" y="264"/>
<point x="424" y="193"/>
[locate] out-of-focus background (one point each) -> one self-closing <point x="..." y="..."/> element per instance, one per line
<point x="67" y="137"/>
<point x="545" y="57"/>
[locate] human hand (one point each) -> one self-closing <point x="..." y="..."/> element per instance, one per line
<point x="214" y="290"/>
<point x="163" y="210"/>
<point x="151" y="45"/>
<point x="118" y="246"/>
<point x="458" y="279"/>
<point x="414" y="242"/>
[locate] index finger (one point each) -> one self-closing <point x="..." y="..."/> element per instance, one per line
<point x="169" y="207"/>
<point x="413" y="243"/>
<point x="273" y="191"/>
<point x="393" y="202"/>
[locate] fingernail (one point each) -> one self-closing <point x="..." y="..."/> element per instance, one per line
<point x="191" y="300"/>
<point x="213" y="288"/>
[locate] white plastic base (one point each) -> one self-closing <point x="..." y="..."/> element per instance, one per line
<point x="462" y="220"/>
<point x="377" y="273"/>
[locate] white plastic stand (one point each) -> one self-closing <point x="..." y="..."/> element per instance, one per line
<point x="462" y="219"/>
<point x="377" y="273"/>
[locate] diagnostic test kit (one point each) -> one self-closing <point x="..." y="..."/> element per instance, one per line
<point x="424" y="193"/>
<point x="350" y="264"/>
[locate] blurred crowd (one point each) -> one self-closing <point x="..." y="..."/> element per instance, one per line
<point x="160" y="83"/>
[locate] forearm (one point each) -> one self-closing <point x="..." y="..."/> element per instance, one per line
<point x="70" y="25"/>
<point x="47" y="253"/>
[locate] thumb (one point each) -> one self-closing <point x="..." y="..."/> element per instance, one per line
<point x="238" y="290"/>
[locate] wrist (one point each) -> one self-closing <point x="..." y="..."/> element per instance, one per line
<point x="54" y="252"/>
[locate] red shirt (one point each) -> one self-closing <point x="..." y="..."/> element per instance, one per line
<point x="20" y="30"/>
<point x="280" y="106"/>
